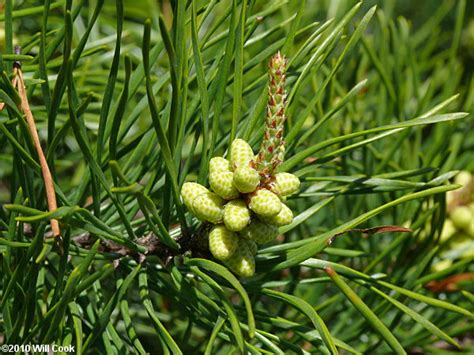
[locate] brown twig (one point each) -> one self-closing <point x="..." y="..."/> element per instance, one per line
<point x="47" y="177"/>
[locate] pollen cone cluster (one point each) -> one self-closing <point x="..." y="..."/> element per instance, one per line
<point x="245" y="200"/>
<point x="245" y="212"/>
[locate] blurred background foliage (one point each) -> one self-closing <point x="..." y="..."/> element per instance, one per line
<point x="411" y="59"/>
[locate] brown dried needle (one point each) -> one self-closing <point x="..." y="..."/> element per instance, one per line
<point x="47" y="177"/>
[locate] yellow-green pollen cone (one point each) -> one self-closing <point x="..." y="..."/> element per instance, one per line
<point x="236" y="215"/>
<point x="462" y="217"/>
<point x="281" y="219"/>
<point x="222" y="183"/>
<point x="219" y="164"/>
<point x="222" y="242"/>
<point x="285" y="184"/>
<point x="265" y="203"/>
<point x="209" y="207"/>
<point x="246" y="179"/>
<point x="242" y="262"/>
<point x="241" y="153"/>
<point x="252" y="245"/>
<point x="190" y="191"/>
<point x="260" y="232"/>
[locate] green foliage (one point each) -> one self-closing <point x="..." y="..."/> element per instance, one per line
<point x="133" y="98"/>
